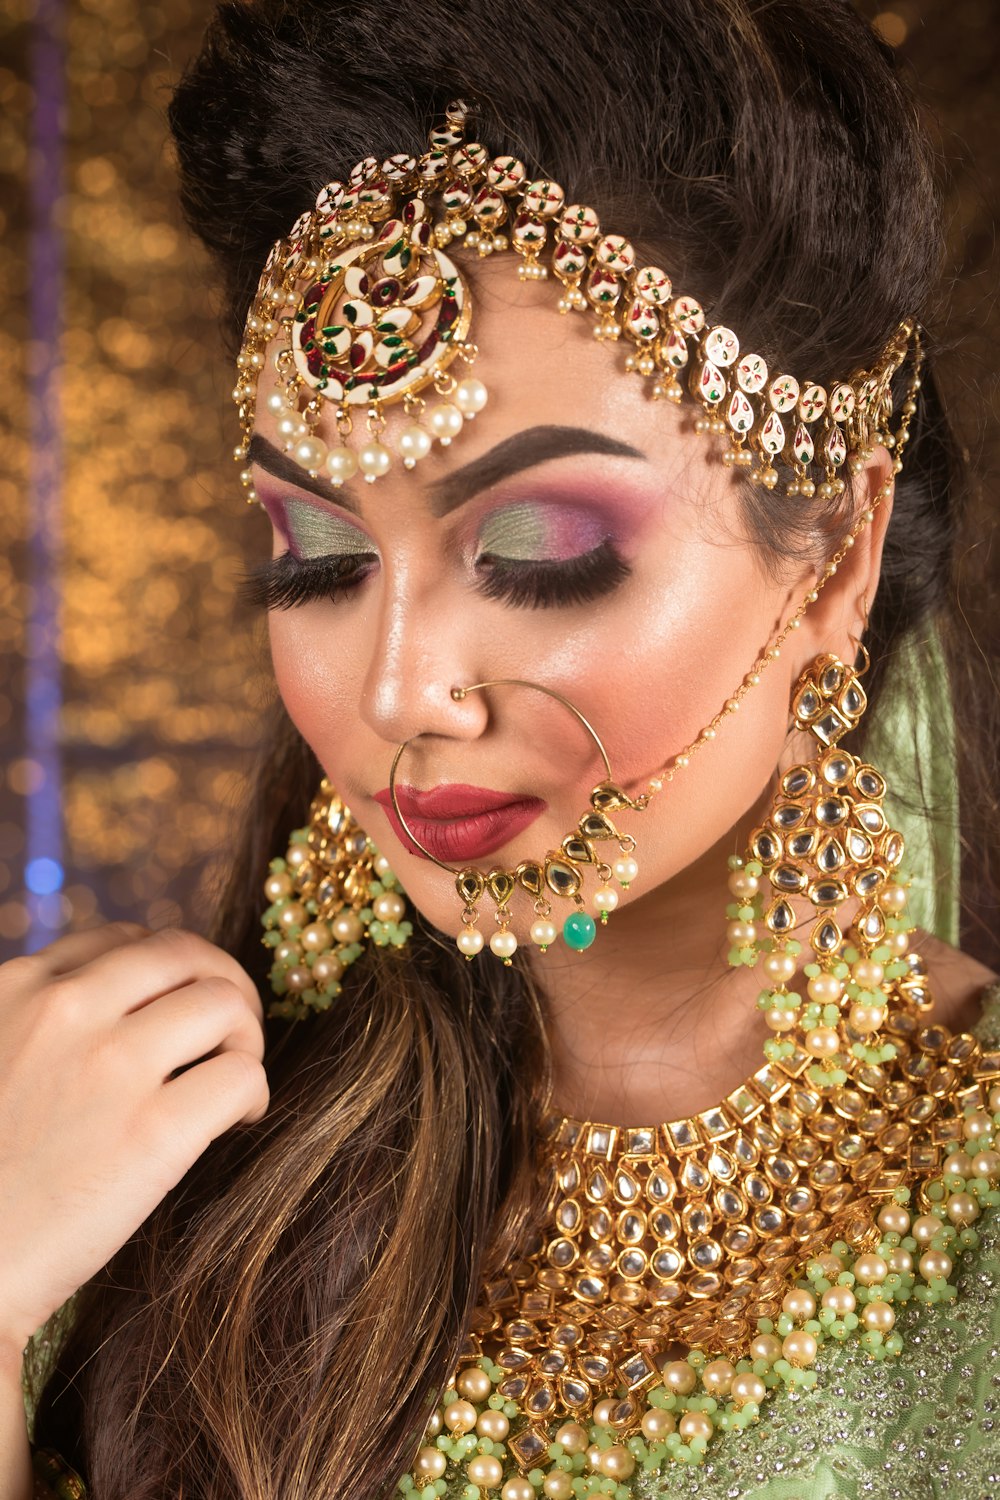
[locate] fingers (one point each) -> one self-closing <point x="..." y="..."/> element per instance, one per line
<point x="79" y="948"/>
<point x="207" y="1016"/>
<point x="122" y="979"/>
<point x="225" y="1090"/>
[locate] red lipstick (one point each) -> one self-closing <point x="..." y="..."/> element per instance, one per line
<point x="458" y="823"/>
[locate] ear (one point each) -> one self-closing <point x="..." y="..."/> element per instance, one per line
<point x="834" y="621"/>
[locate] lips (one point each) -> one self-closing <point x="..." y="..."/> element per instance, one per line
<point x="457" y="822"/>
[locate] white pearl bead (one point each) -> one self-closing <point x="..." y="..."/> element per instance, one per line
<point x="606" y="899"/>
<point x="374" y="460"/>
<point x="543" y="932"/>
<point x="503" y="944"/>
<point x="382" y="867"/>
<point x="625" y="870"/>
<point x="291" y="426"/>
<point x="388" y="907"/>
<point x="470" y="941"/>
<point x="310" y="452"/>
<point x="415" y="442"/>
<point x="341" y="463"/>
<point x="446" y="422"/>
<point x="471" y="396"/>
<point x="276" y="403"/>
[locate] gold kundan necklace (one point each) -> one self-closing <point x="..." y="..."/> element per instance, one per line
<point x="684" y="1271"/>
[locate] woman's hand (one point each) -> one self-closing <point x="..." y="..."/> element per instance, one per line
<point x="94" y="1127"/>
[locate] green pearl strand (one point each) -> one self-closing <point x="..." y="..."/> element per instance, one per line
<point x="842" y="1296"/>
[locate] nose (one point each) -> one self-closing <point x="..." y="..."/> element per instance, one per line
<point x="417" y="653"/>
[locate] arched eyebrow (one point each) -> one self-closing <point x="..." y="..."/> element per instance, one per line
<point x="522" y="450"/>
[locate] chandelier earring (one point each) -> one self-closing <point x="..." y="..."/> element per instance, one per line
<point x="330" y="896"/>
<point x="825" y="864"/>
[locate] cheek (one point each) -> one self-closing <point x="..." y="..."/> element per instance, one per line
<point x="316" y="683"/>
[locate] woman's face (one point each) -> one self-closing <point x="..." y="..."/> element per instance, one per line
<point x="575" y="534"/>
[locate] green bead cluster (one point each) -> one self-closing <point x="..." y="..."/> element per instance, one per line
<point x="310" y="957"/>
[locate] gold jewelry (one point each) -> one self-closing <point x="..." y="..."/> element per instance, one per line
<point x="368" y="310"/>
<point x="825" y="848"/>
<point x="331" y="893"/>
<point x="560" y="872"/>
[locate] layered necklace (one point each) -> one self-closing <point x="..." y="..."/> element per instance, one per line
<point x="683" y="1272"/>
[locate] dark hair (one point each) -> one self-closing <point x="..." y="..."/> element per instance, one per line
<point x="282" y="1324"/>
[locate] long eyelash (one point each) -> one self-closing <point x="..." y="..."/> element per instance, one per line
<point x="542" y="584"/>
<point x="285" y="581"/>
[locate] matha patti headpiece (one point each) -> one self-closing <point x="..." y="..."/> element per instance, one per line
<point x="369" y="310"/>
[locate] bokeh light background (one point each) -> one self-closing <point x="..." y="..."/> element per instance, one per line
<point x="130" y="689"/>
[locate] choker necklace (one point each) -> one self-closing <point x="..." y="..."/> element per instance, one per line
<point x="684" y="1271"/>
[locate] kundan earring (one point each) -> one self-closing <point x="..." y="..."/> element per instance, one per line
<point x="825" y="864"/>
<point x="331" y="894"/>
<point x="560" y="873"/>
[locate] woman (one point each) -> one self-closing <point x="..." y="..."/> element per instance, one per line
<point x="554" y="652"/>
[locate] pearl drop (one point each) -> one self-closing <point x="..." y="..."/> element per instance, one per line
<point x="934" y="1263"/>
<point x="925" y="1228"/>
<point x="470" y="940"/>
<point x="878" y="1317"/>
<point x="470" y="396"/>
<point x="327" y="969"/>
<point x="341" y="463"/>
<point x="766" y="1347"/>
<point x="994" y="1098"/>
<point x="474" y="1383"/>
<point x="460" y="1416"/>
<point x="866" y="1018"/>
<point x="892" y="898"/>
<point x="962" y="1208"/>
<point x="616" y="1463"/>
<point x="606" y="899"/>
<point x="867" y="973"/>
<point x="900" y="1261"/>
<point x="276" y="403"/>
<point x="825" y="989"/>
<point x="431" y="1463"/>
<point x="415" y="442"/>
<point x="823" y="1041"/>
<point x="503" y="944"/>
<point x="277" y="886"/>
<point x="287" y="953"/>
<point x="347" y="927"/>
<point x="657" y="1423"/>
<point x="799" y="1304"/>
<point x="779" y="968"/>
<point x="840" y="1299"/>
<point x="870" y="1270"/>
<point x="746" y="1388"/>
<point x="602" y="1412"/>
<point x="311" y="453"/>
<point x="780" y="1020"/>
<point x="741" y="884"/>
<point x="297" y="856"/>
<point x="958" y="1164"/>
<point x="290" y="425"/>
<point x="679" y="1377"/>
<point x="557" y="1486"/>
<point x="625" y="870"/>
<point x="986" y="1164"/>
<point x="894" y="1219"/>
<point x="799" y="1348"/>
<point x="518" y="1489"/>
<point x="374" y="460"/>
<point x="445" y="421"/>
<point x="493" y="1425"/>
<point x="976" y="1125"/>
<point x="572" y="1437"/>
<point x="717" y="1377"/>
<point x="389" y="908"/>
<point x="382" y="867"/>
<point x="299" y="978"/>
<point x="696" y="1424"/>
<point x="544" y="933"/>
<point x="739" y="933"/>
<point x="434" y="1425"/>
<point x="485" y="1471"/>
<point x="292" y="915"/>
<point x="315" y="938"/>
